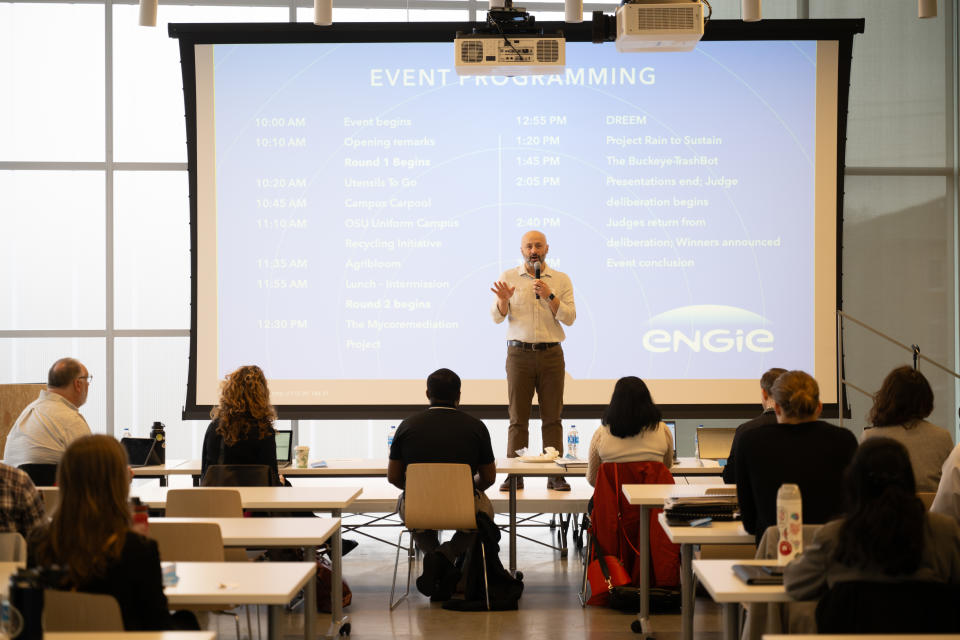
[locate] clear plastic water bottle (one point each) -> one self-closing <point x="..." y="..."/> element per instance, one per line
<point x="125" y="433"/>
<point x="573" y="442"/>
<point x="696" y="441"/>
<point x="789" y="523"/>
<point x="391" y="431"/>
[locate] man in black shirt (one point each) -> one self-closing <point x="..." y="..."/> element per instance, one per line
<point x="443" y="433"/>
<point x="769" y="416"/>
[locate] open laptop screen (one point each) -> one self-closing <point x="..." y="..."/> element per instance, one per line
<point x="672" y="426"/>
<point x="284" y="439"/>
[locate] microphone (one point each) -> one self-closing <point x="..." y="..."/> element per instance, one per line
<point x="536" y="269"/>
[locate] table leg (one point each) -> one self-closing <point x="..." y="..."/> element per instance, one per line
<point x="686" y="591"/>
<point x="731" y="620"/>
<point x="275" y="622"/>
<point x="644" y="615"/>
<point x="513" y="524"/>
<point x="310" y="599"/>
<point x="336" y="588"/>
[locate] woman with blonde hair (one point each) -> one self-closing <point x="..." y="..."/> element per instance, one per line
<point x="90" y="536"/>
<point x="800" y="449"/>
<point x="899" y="408"/>
<point x="241" y="431"/>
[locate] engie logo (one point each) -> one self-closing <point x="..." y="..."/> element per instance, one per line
<point x="708" y="327"/>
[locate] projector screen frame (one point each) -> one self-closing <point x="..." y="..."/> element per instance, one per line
<point x="191" y="34"/>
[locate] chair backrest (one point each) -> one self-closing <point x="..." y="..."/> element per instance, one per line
<point x="13" y="548"/>
<point x="188" y="541"/>
<point x="204" y="503"/>
<point x="926" y="497"/>
<point x="76" y="611"/>
<point x="42" y="475"/>
<point x="889" y="607"/>
<point x="51" y="498"/>
<point x="439" y="496"/>
<point x="237" y="475"/>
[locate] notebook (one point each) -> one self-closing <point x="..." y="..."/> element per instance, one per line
<point x="140" y="451"/>
<point x="759" y="575"/>
<point x="284" y="448"/>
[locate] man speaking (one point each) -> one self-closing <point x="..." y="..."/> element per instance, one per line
<point x="534" y="299"/>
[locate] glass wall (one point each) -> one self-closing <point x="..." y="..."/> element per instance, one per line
<point x="94" y="253"/>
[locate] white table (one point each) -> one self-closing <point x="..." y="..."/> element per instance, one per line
<point x="232" y="583"/>
<point x="647" y="497"/>
<point x="332" y="499"/>
<point x="719" y="532"/>
<point x="726" y="588"/>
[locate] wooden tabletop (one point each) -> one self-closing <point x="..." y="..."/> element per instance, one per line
<point x="129" y="635"/>
<point x="717" y="532"/>
<point x="233" y="583"/>
<point x="268" y="498"/>
<point x="724" y="586"/>
<point x="269" y="532"/>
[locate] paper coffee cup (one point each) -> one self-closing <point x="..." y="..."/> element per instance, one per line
<point x="302" y="454"/>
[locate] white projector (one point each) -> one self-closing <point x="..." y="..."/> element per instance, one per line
<point x="659" y="25"/>
<point x="510" y="55"/>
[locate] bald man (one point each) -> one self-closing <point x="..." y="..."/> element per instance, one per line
<point x="50" y="423"/>
<point x="534" y="309"/>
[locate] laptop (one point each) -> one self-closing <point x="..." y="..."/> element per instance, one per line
<point x="672" y="426"/>
<point x="140" y="451"/>
<point x="713" y="443"/>
<point x="284" y="439"/>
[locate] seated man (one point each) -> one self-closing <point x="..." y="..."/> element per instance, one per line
<point x="50" y="423"/>
<point x="769" y="416"/>
<point x="443" y="433"/>
<point x="799" y="449"/>
<point x="21" y="505"/>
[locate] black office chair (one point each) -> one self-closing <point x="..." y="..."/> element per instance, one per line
<point x="43" y="475"/>
<point x="237" y="475"/>
<point x="889" y="607"/>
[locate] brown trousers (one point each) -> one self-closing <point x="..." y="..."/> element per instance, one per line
<point x="543" y="372"/>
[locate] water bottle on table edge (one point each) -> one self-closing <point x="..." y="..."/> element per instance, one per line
<point x="125" y="433"/>
<point x="573" y="442"/>
<point x="391" y="431"/>
<point x="789" y="523"/>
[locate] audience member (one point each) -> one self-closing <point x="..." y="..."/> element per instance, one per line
<point x="885" y="535"/>
<point x="947" y="500"/>
<point x="800" y="449"/>
<point x="767" y="417"/>
<point x="90" y="536"/>
<point x="241" y="431"/>
<point x="50" y="423"/>
<point x="443" y="433"/>
<point x="631" y="430"/>
<point x="21" y="505"/>
<point x="899" y="408"/>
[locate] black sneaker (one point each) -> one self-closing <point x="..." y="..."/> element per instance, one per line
<point x="432" y="570"/>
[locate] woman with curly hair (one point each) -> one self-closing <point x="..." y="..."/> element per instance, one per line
<point x="241" y="431"/>
<point x="899" y="408"/>
<point x="90" y="535"/>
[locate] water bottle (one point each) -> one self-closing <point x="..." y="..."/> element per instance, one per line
<point x="392" y="431"/>
<point x="789" y="523"/>
<point x="696" y="441"/>
<point x="157" y="433"/>
<point x="573" y="442"/>
<point x="125" y="433"/>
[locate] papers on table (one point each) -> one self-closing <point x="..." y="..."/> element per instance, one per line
<point x="571" y="463"/>
<point x="691" y="502"/>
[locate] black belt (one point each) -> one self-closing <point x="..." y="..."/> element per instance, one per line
<point x="532" y="346"/>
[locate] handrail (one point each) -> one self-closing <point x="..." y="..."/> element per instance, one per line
<point x="841" y="381"/>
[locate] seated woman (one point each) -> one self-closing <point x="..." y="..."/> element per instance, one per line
<point x="899" y="408"/>
<point x="631" y="430"/>
<point x="886" y="534"/>
<point x="90" y="535"/>
<point x="799" y="449"/>
<point x="241" y="431"/>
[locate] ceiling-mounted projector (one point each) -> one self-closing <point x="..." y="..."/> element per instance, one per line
<point x="482" y="54"/>
<point x="653" y="25"/>
<point x="509" y="45"/>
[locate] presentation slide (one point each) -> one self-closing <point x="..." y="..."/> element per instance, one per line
<point x="356" y="202"/>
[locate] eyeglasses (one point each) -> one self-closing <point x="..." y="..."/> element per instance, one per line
<point x="88" y="378"/>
